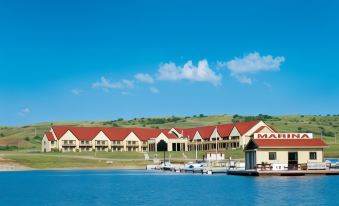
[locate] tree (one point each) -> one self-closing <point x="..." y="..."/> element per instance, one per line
<point x="162" y="146"/>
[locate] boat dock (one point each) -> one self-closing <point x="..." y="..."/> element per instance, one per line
<point x="283" y="172"/>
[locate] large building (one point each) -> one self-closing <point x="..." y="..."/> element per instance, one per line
<point x="223" y="136"/>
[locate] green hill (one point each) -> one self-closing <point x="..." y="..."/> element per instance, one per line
<point x="322" y="126"/>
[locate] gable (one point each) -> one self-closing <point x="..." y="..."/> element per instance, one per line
<point x="68" y="136"/>
<point x="215" y="134"/>
<point x="234" y="132"/>
<point x="101" y="136"/>
<point x="197" y="136"/>
<point x="161" y="136"/>
<point x="132" y="137"/>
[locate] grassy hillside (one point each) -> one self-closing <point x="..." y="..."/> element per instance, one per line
<point x="21" y="144"/>
<point x="322" y="126"/>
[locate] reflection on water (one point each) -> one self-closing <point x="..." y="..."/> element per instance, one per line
<point x="158" y="188"/>
<point x="308" y="190"/>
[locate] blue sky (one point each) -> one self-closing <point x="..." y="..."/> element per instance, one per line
<point x="100" y="60"/>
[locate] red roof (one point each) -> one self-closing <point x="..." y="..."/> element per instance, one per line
<point x="243" y="127"/>
<point x="168" y="134"/>
<point x="189" y="132"/>
<point x="116" y="133"/>
<point x="85" y="133"/>
<point x="224" y="130"/>
<point x="273" y="128"/>
<point x="289" y="142"/>
<point x="59" y="131"/>
<point x="206" y="132"/>
<point x="145" y="134"/>
<point x="49" y="136"/>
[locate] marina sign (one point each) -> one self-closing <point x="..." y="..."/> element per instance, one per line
<point x="283" y="136"/>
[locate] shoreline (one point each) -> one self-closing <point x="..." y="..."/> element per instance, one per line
<point x="130" y="168"/>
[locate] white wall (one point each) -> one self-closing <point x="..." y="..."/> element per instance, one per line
<point x="132" y="137"/>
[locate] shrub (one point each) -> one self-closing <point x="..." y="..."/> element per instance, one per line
<point x="2" y="135"/>
<point x="8" y="147"/>
<point x="328" y="133"/>
<point x="27" y="139"/>
<point x="115" y="125"/>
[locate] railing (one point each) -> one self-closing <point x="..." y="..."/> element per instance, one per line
<point x="213" y="142"/>
<point x="68" y="144"/>
<point x="101" y="144"/>
<point x="132" y="144"/>
<point x="117" y="144"/>
<point x="85" y="144"/>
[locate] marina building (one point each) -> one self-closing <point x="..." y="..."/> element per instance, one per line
<point x="284" y="151"/>
<point x="222" y="136"/>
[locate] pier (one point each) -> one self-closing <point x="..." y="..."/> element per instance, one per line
<point x="283" y="172"/>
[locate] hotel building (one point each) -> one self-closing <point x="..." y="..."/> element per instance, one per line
<point x="232" y="135"/>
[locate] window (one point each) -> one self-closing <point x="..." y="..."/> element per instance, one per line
<point x="52" y="142"/>
<point x="272" y="155"/>
<point x="313" y="155"/>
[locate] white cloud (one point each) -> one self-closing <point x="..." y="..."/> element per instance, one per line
<point x="106" y="84"/>
<point x="76" y="91"/>
<point x="251" y="63"/>
<point x="128" y="83"/>
<point x="202" y="72"/>
<point x="23" y="112"/>
<point x="242" y="78"/>
<point x="154" y="90"/>
<point x="146" y="78"/>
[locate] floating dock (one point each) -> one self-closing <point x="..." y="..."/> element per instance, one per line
<point x="282" y="172"/>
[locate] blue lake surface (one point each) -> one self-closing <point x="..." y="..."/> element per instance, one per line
<point x="157" y="188"/>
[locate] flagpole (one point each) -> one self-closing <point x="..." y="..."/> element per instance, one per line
<point x="216" y="145"/>
<point x="196" y="150"/>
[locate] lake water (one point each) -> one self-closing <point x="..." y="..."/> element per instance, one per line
<point x="157" y="188"/>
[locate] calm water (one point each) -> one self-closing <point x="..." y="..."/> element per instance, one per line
<point x="146" y="188"/>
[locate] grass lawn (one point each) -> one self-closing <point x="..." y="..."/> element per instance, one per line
<point x="45" y="161"/>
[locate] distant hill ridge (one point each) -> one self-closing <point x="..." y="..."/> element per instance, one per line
<point x="29" y="136"/>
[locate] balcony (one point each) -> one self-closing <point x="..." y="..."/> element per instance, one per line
<point x="132" y="145"/>
<point x="85" y="144"/>
<point x="101" y="144"/>
<point x="68" y="144"/>
<point x="117" y="144"/>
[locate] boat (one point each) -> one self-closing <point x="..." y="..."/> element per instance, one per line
<point x="195" y="167"/>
